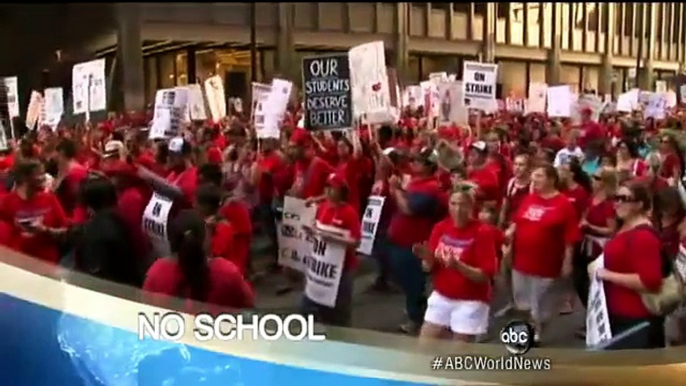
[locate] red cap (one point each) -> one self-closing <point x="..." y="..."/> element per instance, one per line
<point x="336" y="181"/>
<point x="300" y="137"/>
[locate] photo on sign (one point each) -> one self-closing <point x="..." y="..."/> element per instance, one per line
<point x="327" y="92"/>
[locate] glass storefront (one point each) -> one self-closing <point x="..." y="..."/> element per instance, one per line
<point x="170" y="69"/>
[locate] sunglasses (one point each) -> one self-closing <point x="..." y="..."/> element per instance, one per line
<point x="623" y="199"/>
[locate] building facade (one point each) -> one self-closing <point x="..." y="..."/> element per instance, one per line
<point x="592" y="46"/>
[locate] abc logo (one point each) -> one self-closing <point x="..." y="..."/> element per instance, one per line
<point x="518" y="337"/>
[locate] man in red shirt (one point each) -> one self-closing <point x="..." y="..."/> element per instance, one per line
<point x="592" y="134"/>
<point x="70" y="175"/>
<point x="311" y="171"/>
<point x="419" y="206"/>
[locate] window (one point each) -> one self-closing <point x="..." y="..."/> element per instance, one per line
<point x="461" y="7"/>
<point x="481" y="9"/>
<point x="503" y="10"/>
<point x="628" y="19"/>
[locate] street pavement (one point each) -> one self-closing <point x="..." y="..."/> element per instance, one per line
<point x="385" y="312"/>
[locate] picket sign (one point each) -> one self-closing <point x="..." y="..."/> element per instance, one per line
<point x="597" y="318"/>
<point x="53" y="100"/>
<point x="479" y="83"/>
<point x="33" y="112"/>
<point x="155" y="222"/>
<point x="323" y="270"/>
<point x="216" y="98"/>
<point x="370" y="223"/>
<point x="89" y="87"/>
<point x="196" y="103"/>
<point x="293" y="242"/>
<point x="371" y="95"/>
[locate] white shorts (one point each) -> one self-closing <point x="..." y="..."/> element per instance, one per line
<point x="540" y="295"/>
<point x="467" y="317"/>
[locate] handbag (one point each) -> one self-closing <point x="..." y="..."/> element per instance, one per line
<point x="672" y="292"/>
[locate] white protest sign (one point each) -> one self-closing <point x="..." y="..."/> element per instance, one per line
<point x="438" y="77"/>
<point x="597" y="318"/>
<point x="538" y="93"/>
<point x="323" y="271"/>
<point x="559" y="101"/>
<point x="660" y="86"/>
<point x="625" y="103"/>
<point x="33" y="112"/>
<point x="89" y="87"/>
<point x="196" y="103"/>
<point x="4" y="145"/>
<point x="451" y="104"/>
<point x="515" y="105"/>
<point x="479" y="82"/>
<point x="274" y="108"/>
<point x="413" y="97"/>
<point x="656" y="107"/>
<point x="370" y="222"/>
<point x="11" y="87"/>
<point x="216" y="98"/>
<point x="155" y="222"/>
<point x="590" y="101"/>
<point x="54" y="106"/>
<point x="430" y="95"/>
<point x="292" y="239"/>
<point x="371" y="94"/>
<point x="169" y="108"/>
<point x="260" y="93"/>
<point x="671" y="99"/>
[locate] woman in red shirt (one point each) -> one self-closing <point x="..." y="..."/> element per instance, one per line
<point x="597" y="225"/>
<point x="462" y="259"/>
<point x="544" y="233"/>
<point x="337" y="222"/>
<point x="189" y="274"/>
<point x="671" y="159"/>
<point x="633" y="265"/>
<point x="517" y="188"/>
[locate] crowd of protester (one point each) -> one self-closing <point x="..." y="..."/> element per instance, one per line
<point x="521" y="200"/>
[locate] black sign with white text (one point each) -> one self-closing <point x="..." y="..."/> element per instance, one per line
<point x="326" y="85"/>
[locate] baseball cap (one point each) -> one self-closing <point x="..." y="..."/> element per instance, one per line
<point x="479" y="145"/>
<point x="427" y="156"/>
<point x="113" y="148"/>
<point x="179" y="145"/>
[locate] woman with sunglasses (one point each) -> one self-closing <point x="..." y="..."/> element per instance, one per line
<point x="597" y="225"/>
<point x="632" y="266"/>
<point x="461" y="257"/>
<point x="543" y="234"/>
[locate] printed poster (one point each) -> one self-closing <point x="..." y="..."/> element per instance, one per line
<point x="89" y="87"/>
<point x="538" y="93"/>
<point x="196" y="103"/>
<point x="479" y="81"/>
<point x="216" y="98"/>
<point x="597" y="318"/>
<point x="560" y="101"/>
<point x="371" y="94"/>
<point x="293" y="241"/>
<point x="323" y="271"/>
<point x="370" y="223"/>
<point x="54" y="106"/>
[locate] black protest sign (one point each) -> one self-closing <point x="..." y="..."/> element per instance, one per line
<point x="326" y="85"/>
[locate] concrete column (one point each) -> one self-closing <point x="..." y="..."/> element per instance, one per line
<point x="402" y="36"/>
<point x="553" y="65"/>
<point x="285" y="44"/>
<point x="646" y="78"/>
<point x="191" y="65"/>
<point x="606" y="71"/>
<point x="488" y="48"/>
<point x="130" y="56"/>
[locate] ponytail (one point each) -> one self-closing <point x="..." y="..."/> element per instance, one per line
<point x="193" y="263"/>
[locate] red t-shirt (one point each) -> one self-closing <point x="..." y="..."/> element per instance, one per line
<point x="579" y="198"/>
<point x="475" y="246"/>
<point x="221" y="244"/>
<point x="68" y="193"/>
<point x="427" y="204"/>
<point x="544" y="227"/>
<point x="671" y="166"/>
<point x="130" y="205"/>
<point x="310" y="177"/>
<point x="238" y="215"/>
<point x="351" y="169"/>
<point x="486" y="179"/>
<point x="227" y="287"/>
<point x="346" y="218"/>
<point x="187" y="181"/>
<point x="515" y="195"/>
<point x="42" y="208"/>
<point x="636" y="251"/>
<point x="269" y="165"/>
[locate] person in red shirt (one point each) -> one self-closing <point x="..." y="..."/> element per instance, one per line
<point x="183" y="174"/>
<point x="235" y="213"/>
<point x="420" y="205"/>
<point x="270" y="164"/>
<point x="337" y="222"/>
<point x="633" y="266"/>
<point x="543" y="234"/>
<point x="592" y="134"/>
<point x="597" y="224"/>
<point x="35" y="215"/>
<point x="461" y="256"/>
<point x="629" y="162"/>
<point x="671" y="159"/>
<point x="483" y="175"/>
<point x="652" y="177"/>
<point x="70" y="176"/>
<point x="518" y="187"/>
<point x="189" y="274"/>
<point x="349" y="165"/>
<point x="311" y="171"/>
<point x="575" y="184"/>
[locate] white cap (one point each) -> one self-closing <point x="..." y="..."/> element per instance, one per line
<point x="112" y="147"/>
<point x="479" y="145"/>
<point x="176" y="145"/>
